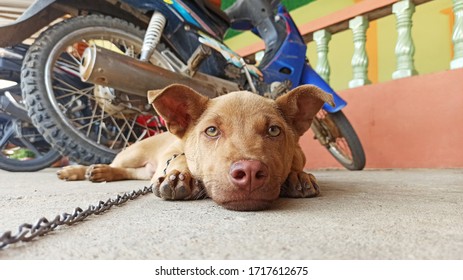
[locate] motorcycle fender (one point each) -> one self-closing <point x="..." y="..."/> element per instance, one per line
<point x="38" y="15"/>
<point x="43" y="12"/>
<point x="309" y="76"/>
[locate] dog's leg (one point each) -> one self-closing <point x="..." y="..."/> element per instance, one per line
<point x="108" y="173"/>
<point x="132" y="163"/>
<point x="299" y="184"/>
<point x="72" y="173"/>
<point x="177" y="182"/>
<point x="103" y="173"/>
<point x="129" y="164"/>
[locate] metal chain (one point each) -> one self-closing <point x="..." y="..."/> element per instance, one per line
<point x="27" y="232"/>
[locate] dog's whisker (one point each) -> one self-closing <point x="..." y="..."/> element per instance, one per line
<point x="200" y="195"/>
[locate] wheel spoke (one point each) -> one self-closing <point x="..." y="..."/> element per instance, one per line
<point x="71" y="92"/>
<point x="121" y="130"/>
<point x="131" y="126"/>
<point x="75" y="59"/>
<point x="119" y="134"/>
<point x="30" y="146"/>
<point x="101" y="126"/>
<point x="92" y="117"/>
<point x="146" y="130"/>
<point x="67" y="84"/>
<point x="68" y="66"/>
<point x="130" y="131"/>
<point x="344" y="147"/>
<point x="74" y="99"/>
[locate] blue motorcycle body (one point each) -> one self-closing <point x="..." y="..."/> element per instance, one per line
<point x="288" y="63"/>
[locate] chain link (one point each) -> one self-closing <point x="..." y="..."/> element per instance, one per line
<point x="27" y="232"/>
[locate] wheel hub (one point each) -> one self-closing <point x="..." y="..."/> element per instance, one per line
<point x="114" y="103"/>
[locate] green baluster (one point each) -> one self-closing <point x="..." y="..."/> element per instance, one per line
<point x="405" y="48"/>
<point x="457" y="37"/>
<point x="322" y="38"/>
<point x="359" y="26"/>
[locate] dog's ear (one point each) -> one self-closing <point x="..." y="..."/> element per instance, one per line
<point x="178" y="105"/>
<point x="300" y="105"/>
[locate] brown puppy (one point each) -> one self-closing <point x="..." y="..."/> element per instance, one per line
<point x="239" y="149"/>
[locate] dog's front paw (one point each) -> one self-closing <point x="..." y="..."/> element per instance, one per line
<point x="72" y="173"/>
<point x="99" y="173"/>
<point x="178" y="185"/>
<point x="300" y="184"/>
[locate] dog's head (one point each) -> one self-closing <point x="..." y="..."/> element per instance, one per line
<point x="240" y="145"/>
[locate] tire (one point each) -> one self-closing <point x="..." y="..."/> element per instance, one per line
<point x="42" y="155"/>
<point x="335" y="132"/>
<point x="88" y="123"/>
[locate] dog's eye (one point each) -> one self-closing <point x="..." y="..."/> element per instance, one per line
<point x="212" y="131"/>
<point x="274" y="131"/>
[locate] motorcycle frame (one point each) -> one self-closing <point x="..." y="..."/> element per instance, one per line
<point x="291" y="55"/>
<point x="11" y="60"/>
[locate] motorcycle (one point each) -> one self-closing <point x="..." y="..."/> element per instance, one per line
<point x="103" y="44"/>
<point x="22" y="147"/>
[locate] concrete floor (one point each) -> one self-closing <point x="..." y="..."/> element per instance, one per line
<point x="373" y="214"/>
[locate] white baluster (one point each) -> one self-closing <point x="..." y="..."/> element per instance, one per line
<point x="457" y="36"/>
<point x="322" y="38"/>
<point x="405" y="48"/>
<point x="359" y="26"/>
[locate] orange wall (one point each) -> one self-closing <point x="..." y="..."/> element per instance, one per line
<point x="414" y="122"/>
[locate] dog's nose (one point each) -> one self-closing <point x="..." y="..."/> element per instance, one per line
<point x="248" y="174"/>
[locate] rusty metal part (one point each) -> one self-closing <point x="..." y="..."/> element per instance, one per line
<point x="119" y="105"/>
<point x="27" y="232"/>
<point x="324" y="129"/>
<point x="107" y="68"/>
<point x="198" y="56"/>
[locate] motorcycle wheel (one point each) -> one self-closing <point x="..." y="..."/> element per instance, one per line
<point x="87" y="122"/>
<point x="21" y="137"/>
<point x="335" y="132"/>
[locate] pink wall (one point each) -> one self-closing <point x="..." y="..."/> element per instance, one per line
<point x="414" y="122"/>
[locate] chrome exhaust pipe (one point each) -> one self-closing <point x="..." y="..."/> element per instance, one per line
<point x="107" y="68"/>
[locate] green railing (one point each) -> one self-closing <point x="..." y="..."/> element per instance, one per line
<point x="322" y="31"/>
